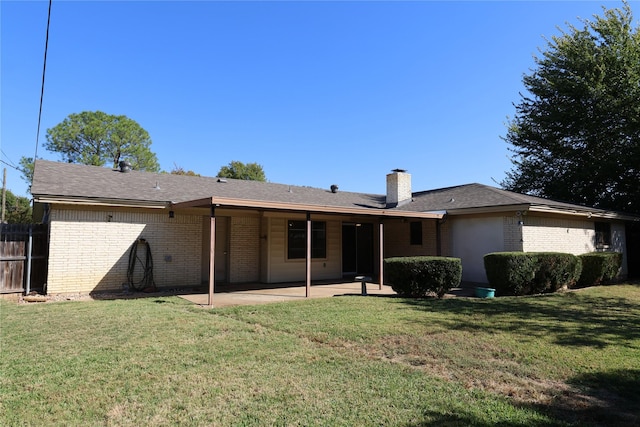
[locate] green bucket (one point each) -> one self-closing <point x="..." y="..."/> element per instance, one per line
<point x="485" y="292"/>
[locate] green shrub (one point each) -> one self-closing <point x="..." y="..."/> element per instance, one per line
<point x="555" y="271"/>
<point x="599" y="267"/>
<point x="419" y="276"/>
<point x="510" y="273"/>
<point x="527" y="273"/>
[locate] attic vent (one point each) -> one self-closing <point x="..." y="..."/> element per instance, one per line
<point x="222" y="180"/>
<point x="334" y="188"/>
<point x="125" y="166"/>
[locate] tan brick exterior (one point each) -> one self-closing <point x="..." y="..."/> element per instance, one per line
<point x="244" y="249"/>
<point x="397" y="239"/>
<point x="512" y="233"/>
<point x="89" y="249"/>
<point x="572" y="236"/>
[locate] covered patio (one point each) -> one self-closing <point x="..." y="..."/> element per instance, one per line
<point x="233" y="295"/>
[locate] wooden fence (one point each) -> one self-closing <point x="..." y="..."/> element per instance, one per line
<point x="23" y="257"/>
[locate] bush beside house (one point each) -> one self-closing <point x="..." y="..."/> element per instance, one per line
<point x="527" y="273"/>
<point x="599" y="267"/>
<point x="420" y="276"/>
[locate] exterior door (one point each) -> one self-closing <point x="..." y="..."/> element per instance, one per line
<point x="357" y="249"/>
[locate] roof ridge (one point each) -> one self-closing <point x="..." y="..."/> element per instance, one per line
<point x="518" y="197"/>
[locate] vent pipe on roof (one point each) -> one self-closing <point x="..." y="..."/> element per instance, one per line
<point x="125" y="166"/>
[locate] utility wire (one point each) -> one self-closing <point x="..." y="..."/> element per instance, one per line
<point x="11" y="166"/>
<point x="44" y="69"/>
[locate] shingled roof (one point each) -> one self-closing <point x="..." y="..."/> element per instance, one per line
<point x="473" y="196"/>
<point x="65" y="180"/>
<point x="58" y="182"/>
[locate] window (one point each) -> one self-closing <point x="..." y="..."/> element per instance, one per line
<point x="416" y="233"/>
<point x="297" y="239"/>
<point x="603" y="234"/>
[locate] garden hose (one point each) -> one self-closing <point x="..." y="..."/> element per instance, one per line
<point x="146" y="283"/>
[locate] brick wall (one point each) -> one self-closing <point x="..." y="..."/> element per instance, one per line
<point x="397" y="239"/>
<point x="89" y="249"/>
<point x="512" y="233"/>
<point x="572" y="236"/>
<point x="244" y="249"/>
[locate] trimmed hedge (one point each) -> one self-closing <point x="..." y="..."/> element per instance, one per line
<point x="527" y="273"/>
<point x="419" y="276"/>
<point x="599" y="267"/>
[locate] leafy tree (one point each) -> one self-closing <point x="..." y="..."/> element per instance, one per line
<point x="238" y="170"/>
<point x="576" y="136"/>
<point x="26" y="167"/>
<point x="97" y="138"/>
<point x="179" y="170"/>
<point x="17" y="209"/>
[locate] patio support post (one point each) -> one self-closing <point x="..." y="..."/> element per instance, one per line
<point x="308" y="257"/>
<point x="212" y="254"/>
<point x="381" y="255"/>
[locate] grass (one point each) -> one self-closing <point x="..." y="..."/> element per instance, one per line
<point x="562" y="359"/>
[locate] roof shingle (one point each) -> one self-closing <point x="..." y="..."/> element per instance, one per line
<point x="65" y="180"/>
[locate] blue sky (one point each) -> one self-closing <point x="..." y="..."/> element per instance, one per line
<point x="318" y="93"/>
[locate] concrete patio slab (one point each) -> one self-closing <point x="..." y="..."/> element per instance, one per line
<point x="290" y="293"/>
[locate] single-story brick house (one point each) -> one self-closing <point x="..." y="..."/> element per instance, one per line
<point x="213" y="230"/>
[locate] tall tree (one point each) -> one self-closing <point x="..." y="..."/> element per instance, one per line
<point x="26" y="167"/>
<point x="17" y="209"/>
<point x="576" y="136"/>
<point x="239" y="170"/>
<point x="97" y="138"/>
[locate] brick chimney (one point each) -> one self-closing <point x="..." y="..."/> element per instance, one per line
<point x="398" y="188"/>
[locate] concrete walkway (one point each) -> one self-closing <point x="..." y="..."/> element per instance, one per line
<point x="262" y="294"/>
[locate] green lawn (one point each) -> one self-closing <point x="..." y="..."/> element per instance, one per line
<point x="564" y="359"/>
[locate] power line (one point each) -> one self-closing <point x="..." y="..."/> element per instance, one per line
<point x="13" y="165"/>
<point x="44" y="69"/>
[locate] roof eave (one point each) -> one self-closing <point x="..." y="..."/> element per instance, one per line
<point x="549" y="209"/>
<point x="488" y="209"/>
<point x="583" y="212"/>
<point x="302" y="207"/>
<point x="84" y="201"/>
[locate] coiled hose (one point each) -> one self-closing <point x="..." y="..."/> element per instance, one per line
<point x="146" y="283"/>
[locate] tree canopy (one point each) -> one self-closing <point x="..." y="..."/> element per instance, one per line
<point x="17" y="209"/>
<point x="179" y="170"/>
<point x="239" y="170"/>
<point x="26" y="167"/>
<point x="576" y="135"/>
<point x="99" y="139"/>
